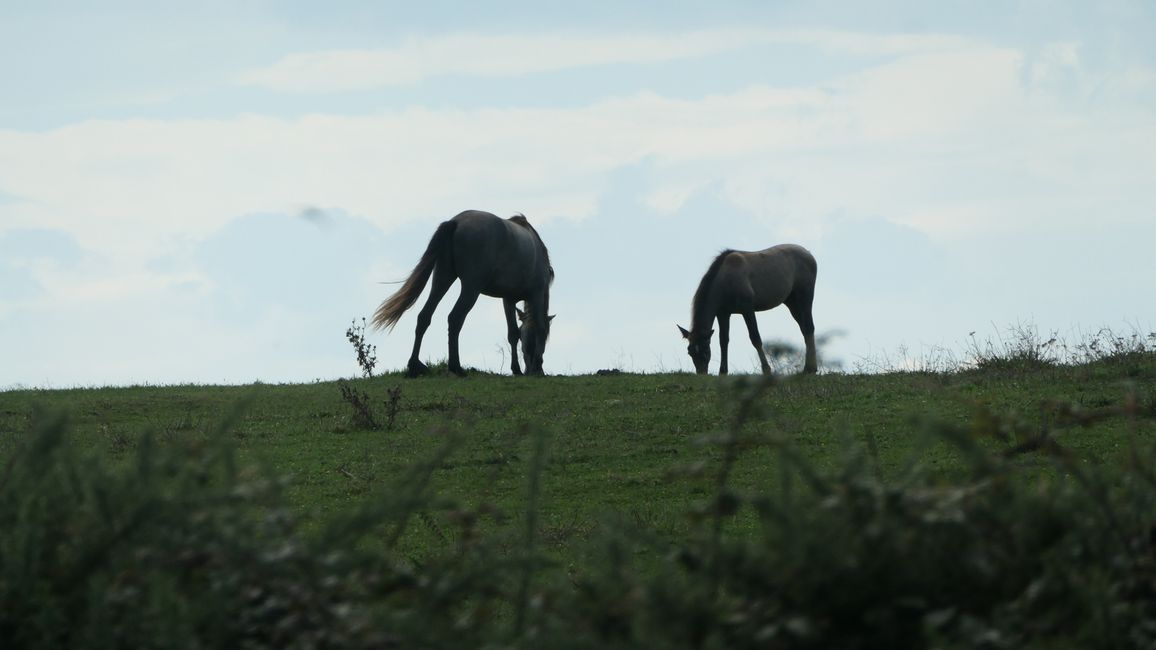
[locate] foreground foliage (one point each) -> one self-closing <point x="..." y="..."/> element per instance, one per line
<point x="1020" y="544"/>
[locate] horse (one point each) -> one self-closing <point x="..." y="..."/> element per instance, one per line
<point x="501" y="258"/>
<point x="741" y="282"/>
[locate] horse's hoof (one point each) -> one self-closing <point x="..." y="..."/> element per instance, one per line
<point x="517" y="371"/>
<point x="416" y="369"/>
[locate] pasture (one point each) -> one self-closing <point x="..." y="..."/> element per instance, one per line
<point x="616" y="442"/>
<point x="557" y="467"/>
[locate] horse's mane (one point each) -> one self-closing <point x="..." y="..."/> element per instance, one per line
<point x="700" y="294"/>
<point x="521" y="220"/>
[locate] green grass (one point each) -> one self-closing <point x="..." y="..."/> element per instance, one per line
<point x="1007" y="505"/>
<point x="622" y="446"/>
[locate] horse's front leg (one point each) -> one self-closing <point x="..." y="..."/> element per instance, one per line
<point x="757" y="340"/>
<point x="458" y="318"/>
<point x="724" y="339"/>
<point x="512" y="334"/>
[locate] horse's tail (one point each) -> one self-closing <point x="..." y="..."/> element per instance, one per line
<point x="390" y="311"/>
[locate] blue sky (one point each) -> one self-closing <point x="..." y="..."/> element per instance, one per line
<point x="211" y="192"/>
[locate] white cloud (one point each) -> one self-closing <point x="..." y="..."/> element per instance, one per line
<point x="943" y="128"/>
<point x="668" y="197"/>
<point x="470" y="54"/>
<point x="956" y="139"/>
<point x="479" y="55"/>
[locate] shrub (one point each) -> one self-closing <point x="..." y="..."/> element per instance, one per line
<point x="181" y="548"/>
<point x="364" y="413"/>
<point x="845" y="559"/>
<point x="366" y="353"/>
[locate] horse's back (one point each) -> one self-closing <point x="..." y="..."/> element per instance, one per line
<point x="766" y="278"/>
<point x="788" y="251"/>
<point x="474" y="219"/>
<point x="501" y="256"/>
<point x="788" y="259"/>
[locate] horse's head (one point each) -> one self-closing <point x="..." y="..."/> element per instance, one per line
<point x="533" y="336"/>
<point x="698" y="347"/>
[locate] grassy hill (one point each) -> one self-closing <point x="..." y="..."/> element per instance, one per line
<point x="524" y="494"/>
<point x="613" y="440"/>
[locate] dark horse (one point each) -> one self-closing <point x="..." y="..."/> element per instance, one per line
<point x="739" y="282"/>
<point x="502" y="258"/>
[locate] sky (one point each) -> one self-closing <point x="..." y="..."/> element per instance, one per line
<point x="212" y="192"/>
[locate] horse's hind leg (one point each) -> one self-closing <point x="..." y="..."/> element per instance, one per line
<point x="438" y="288"/>
<point x="800" y="305"/>
<point x="756" y="340"/>
<point x="457" y="318"/>
<point x="512" y="333"/>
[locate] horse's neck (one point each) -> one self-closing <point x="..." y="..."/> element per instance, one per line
<point x="705" y="311"/>
<point x="539" y="307"/>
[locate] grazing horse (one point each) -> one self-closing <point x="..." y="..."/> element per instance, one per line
<point x="502" y="258"/>
<point x="740" y="282"/>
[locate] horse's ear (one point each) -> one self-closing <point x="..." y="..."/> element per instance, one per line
<point x="551" y="317"/>
<point x="521" y="314"/>
<point x="685" y="334"/>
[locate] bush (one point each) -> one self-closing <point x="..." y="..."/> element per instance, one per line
<point x="366" y="353"/>
<point x="181" y="548"/>
<point x="1020" y="348"/>
<point x="851" y="561"/>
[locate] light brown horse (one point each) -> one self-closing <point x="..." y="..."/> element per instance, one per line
<point x="502" y="258"/>
<point x="740" y="282"/>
